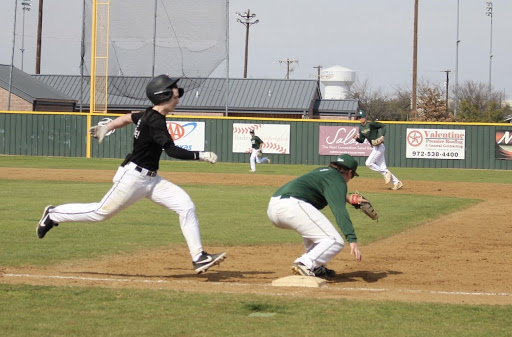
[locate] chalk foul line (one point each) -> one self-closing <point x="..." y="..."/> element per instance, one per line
<point x="83" y="278"/>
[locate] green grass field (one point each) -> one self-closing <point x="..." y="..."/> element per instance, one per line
<point x="68" y="311"/>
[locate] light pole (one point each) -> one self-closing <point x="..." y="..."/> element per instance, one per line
<point x="414" y="62"/>
<point x="456" y="103"/>
<point x="247" y="17"/>
<point x="12" y="57"/>
<point x="447" y="82"/>
<point x="489" y="13"/>
<point x="26" y="8"/>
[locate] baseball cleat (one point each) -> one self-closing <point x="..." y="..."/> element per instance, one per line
<point x="397" y="186"/>
<point x="323" y="271"/>
<point x="387" y="177"/>
<point x="268" y="160"/>
<point x="45" y="224"/>
<point x="301" y="270"/>
<point x="207" y="260"/>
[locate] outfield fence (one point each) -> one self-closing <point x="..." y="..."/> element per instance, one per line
<point x="315" y="142"/>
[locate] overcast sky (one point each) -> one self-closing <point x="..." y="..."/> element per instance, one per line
<point x="374" y="38"/>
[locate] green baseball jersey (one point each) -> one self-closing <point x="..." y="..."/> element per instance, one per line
<point x="371" y="131"/>
<point x="321" y="187"/>
<point x="256" y="142"/>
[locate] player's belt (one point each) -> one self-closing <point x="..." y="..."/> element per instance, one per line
<point x="145" y="171"/>
<point x="142" y="170"/>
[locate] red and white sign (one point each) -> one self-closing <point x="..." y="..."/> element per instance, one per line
<point x="334" y="140"/>
<point x="435" y="144"/>
<point x="275" y="137"/>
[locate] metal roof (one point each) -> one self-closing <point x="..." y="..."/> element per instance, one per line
<point x="336" y="105"/>
<point x="29" y="88"/>
<point x="208" y="93"/>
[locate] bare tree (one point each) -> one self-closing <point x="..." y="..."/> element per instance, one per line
<point x="377" y="105"/>
<point x="479" y="104"/>
<point x="431" y="105"/>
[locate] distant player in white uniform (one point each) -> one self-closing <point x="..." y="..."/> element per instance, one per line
<point x="137" y="177"/>
<point x="376" y="161"/>
<point x="257" y="152"/>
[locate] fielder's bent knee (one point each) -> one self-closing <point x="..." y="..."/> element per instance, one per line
<point x="339" y="245"/>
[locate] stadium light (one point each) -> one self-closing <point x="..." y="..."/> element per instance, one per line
<point x="26" y="4"/>
<point x="489" y="13"/>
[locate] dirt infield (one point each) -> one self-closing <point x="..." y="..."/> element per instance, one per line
<point x="464" y="257"/>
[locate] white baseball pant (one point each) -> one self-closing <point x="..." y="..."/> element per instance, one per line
<point x="255" y="160"/>
<point x="129" y="187"/>
<point x="376" y="161"/>
<point x="321" y="240"/>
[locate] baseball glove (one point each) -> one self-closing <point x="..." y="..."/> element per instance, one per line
<point x="363" y="204"/>
<point x="378" y="141"/>
<point x="99" y="132"/>
<point x="260" y="154"/>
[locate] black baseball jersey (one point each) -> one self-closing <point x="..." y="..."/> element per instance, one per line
<point x="150" y="138"/>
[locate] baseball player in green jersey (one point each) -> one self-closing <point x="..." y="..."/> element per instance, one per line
<point x="256" y="152"/>
<point x="297" y="205"/>
<point x="374" y="132"/>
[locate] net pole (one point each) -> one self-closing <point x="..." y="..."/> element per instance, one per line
<point x="154" y="40"/>
<point x="82" y="55"/>
<point x="92" y="99"/>
<point x="227" y="58"/>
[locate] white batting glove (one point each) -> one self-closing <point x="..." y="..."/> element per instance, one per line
<point x="209" y="157"/>
<point x="98" y="131"/>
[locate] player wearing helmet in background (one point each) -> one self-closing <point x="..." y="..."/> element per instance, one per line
<point x="256" y="152"/>
<point x="376" y="161"/>
<point x="138" y="178"/>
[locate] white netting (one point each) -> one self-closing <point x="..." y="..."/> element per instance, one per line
<point x="181" y="38"/>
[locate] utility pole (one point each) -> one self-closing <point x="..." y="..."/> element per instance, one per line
<point x="39" y="34"/>
<point x="318" y="67"/>
<point x="247" y="17"/>
<point x="447" y="81"/>
<point x="414" y="59"/>
<point x="288" y="69"/>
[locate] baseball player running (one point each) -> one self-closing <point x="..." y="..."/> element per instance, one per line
<point x="297" y="205"/>
<point x="137" y="177"/>
<point x="256" y="151"/>
<point x="376" y="161"/>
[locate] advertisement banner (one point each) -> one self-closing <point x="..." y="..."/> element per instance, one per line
<point x="435" y="144"/>
<point x="334" y="140"/>
<point x="188" y="135"/>
<point x="276" y="137"/>
<point x="503" y="145"/>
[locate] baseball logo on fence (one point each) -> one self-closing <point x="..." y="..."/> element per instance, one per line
<point x="275" y="137"/>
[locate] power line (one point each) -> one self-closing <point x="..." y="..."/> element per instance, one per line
<point x="288" y="68"/>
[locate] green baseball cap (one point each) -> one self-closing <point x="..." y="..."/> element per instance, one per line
<point x="348" y="161"/>
<point x="361" y="114"/>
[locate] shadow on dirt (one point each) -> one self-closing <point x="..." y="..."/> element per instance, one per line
<point x="366" y="276"/>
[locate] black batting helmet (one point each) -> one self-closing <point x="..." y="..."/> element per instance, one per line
<point x="159" y="89"/>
